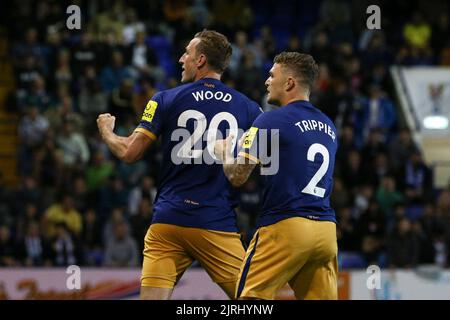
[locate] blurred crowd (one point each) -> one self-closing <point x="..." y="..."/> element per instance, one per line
<point x="77" y="204"/>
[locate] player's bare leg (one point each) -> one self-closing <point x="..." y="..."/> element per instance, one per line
<point x="153" y="293"/>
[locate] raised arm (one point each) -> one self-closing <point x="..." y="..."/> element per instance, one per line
<point x="128" y="149"/>
<point x="237" y="170"/>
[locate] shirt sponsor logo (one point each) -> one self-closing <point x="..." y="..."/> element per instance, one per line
<point x="250" y="136"/>
<point x="149" y="111"/>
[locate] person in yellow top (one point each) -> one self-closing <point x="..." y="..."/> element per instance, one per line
<point x="63" y="211"/>
<point x="417" y="33"/>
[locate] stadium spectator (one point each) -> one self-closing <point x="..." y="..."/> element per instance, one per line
<point x="142" y="57"/>
<point x="109" y="22"/>
<point x="249" y="78"/>
<point x="62" y="212"/>
<point x="29" y="47"/>
<point x="48" y="167"/>
<point x="379" y="168"/>
<point x="91" y="99"/>
<point x="114" y="194"/>
<point x="36" y="96"/>
<point x="268" y="42"/>
<point x="27" y="71"/>
<point x="377" y="112"/>
<point x="240" y="47"/>
<point x="132" y="26"/>
<point x="75" y="151"/>
<point x="403" y="246"/>
<point x="338" y="103"/>
<point x="388" y="196"/>
<point x="84" y="54"/>
<point x="62" y="73"/>
<point x="81" y="197"/>
<point x="432" y="237"/>
<point x="146" y="189"/>
<point x="32" y="129"/>
<point x="353" y="173"/>
<point x="91" y="239"/>
<point x="113" y="75"/>
<point x="121" y="250"/>
<point x="374" y="146"/>
<point x="33" y="248"/>
<point x="27" y="217"/>
<point x="63" y="113"/>
<point x="372" y="228"/>
<point x="98" y="171"/>
<point x="347" y="144"/>
<point x="64" y="248"/>
<point x="28" y="192"/>
<point x="340" y="197"/>
<point x="415" y="180"/>
<point x="121" y="102"/>
<point x="347" y="234"/>
<point x="401" y="148"/>
<point x="362" y="200"/>
<point x="376" y="52"/>
<point x="117" y="215"/>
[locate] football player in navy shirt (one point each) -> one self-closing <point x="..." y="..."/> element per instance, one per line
<point x="296" y="238"/>
<point x="194" y="217"/>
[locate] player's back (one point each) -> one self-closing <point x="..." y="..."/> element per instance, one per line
<point x="193" y="190"/>
<point x="307" y="149"/>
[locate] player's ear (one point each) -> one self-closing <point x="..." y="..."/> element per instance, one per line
<point x="290" y="83"/>
<point x="201" y="60"/>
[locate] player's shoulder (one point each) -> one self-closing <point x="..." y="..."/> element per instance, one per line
<point x="168" y="96"/>
<point x="174" y="92"/>
<point x="272" y="118"/>
<point x="275" y="114"/>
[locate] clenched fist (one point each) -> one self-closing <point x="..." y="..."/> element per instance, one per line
<point x="105" y="123"/>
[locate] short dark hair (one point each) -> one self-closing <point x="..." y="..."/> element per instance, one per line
<point x="216" y="47"/>
<point x="302" y="65"/>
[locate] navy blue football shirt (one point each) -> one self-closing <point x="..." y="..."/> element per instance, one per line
<point x="192" y="188"/>
<point x="307" y="145"/>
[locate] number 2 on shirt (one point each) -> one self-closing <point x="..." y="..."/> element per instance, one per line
<point x="312" y="188"/>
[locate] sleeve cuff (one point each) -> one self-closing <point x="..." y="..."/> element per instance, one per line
<point x="148" y="133"/>
<point x="249" y="156"/>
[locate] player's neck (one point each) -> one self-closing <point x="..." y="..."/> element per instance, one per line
<point x="207" y="74"/>
<point x="296" y="97"/>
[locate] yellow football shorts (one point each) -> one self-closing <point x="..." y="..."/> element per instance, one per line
<point x="297" y="251"/>
<point x="169" y="250"/>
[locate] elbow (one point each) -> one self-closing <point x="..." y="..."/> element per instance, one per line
<point x="129" y="158"/>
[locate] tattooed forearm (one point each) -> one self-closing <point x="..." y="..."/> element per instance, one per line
<point x="238" y="171"/>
